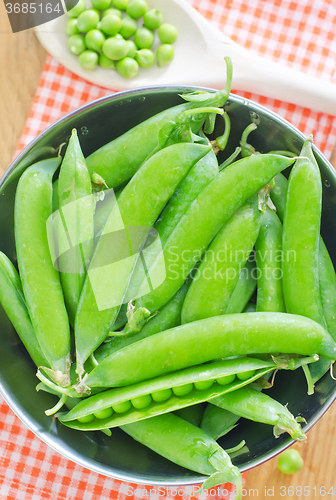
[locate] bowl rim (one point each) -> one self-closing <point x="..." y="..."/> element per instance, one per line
<point x="96" y="466"/>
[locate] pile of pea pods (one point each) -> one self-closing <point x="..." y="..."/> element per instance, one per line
<point x="179" y="360"/>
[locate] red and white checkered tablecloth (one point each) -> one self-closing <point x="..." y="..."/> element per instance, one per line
<point x="301" y="34"/>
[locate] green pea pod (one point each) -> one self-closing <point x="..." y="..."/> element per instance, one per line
<point x="13" y="303"/>
<point x="174" y="438"/>
<point x="199" y="176"/>
<point x="187" y="191"/>
<point x="55" y="197"/>
<point x="250" y="307"/>
<point x="259" y="407"/>
<point x="269" y="256"/>
<point x="40" y="280"/>
<point x="217" y="422"/>
<point x="139" y="205"/>
<point x="301" y="230"/>
<point x="278" y="194"/>
<point x="210" y="291"/>
<point x="209" y="339"/>
<point x="228" y="191"/>
<point x="192" y="414"/>
<point x="118" y="160"/>
<point x="168" y="317"/>
<point x="326" y="271"/>
<point x="327" y="279"/>
<point x="244" y="289"/>
<point x="76" y="209"/>
<point x="187" y="377"/>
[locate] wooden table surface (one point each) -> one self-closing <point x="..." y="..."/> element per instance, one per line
<point x="21" y="62"/>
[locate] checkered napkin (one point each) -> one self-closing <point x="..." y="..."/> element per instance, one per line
<point x="301" y="34"/>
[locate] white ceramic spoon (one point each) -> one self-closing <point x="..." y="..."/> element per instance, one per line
<point x="199" y="53"/>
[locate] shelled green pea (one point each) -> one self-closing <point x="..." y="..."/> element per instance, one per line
<point x="122" y="21"/>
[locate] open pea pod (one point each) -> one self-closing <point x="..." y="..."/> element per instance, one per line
<point x="160" y="393"/>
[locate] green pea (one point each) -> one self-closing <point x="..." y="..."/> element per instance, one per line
<point x="105" y="62"/>
<point x="88" y="60"/>
<point x="165" y="54"/>
<point x="122" y="407"/>
<point x="88" y="20"/>
<point x="76" y="44"/>
<point x="132" y="49"/>
<point x="128" y="27"/>
<point x="101" y="4"/>
<point x="111" y="24"/>
<point x="120" y="4"/>
<point x="115" y="12"/>
<point x="86" y="419"/>
<point x="115" y="48"/>
<point x="226" y="379"/>
<point x="128" y="67"/>
<point x="71" y="27"/>
<point x="153" y="19"/>
<point x="145" y="58"/>
<point x="162" y="395"/>
<point x="203" y="384"/>
<point x="183" y="390"/>
<point x="77" y="9"/>
<point x="101" y="414"/>
<point x="144" y="38"/>
<point x="137" y="8"/>
<point x="141" y="401"/>
<point x="246" y="375"/>
<point x="167" y="33"/>
<point x="94" y="40"/>
<point x="290" y="461"/>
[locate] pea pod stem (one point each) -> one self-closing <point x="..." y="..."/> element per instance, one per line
<point x="57" y="406"/>
<point x="246" y="148"/>
<point x="231" y="159"/>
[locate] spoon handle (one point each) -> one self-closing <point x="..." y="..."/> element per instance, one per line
<point x="256" y="74"/>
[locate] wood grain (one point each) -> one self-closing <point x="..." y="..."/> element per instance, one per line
<point x="21" y="60"/>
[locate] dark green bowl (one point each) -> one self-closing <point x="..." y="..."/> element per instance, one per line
<point x="119" y="456"/>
